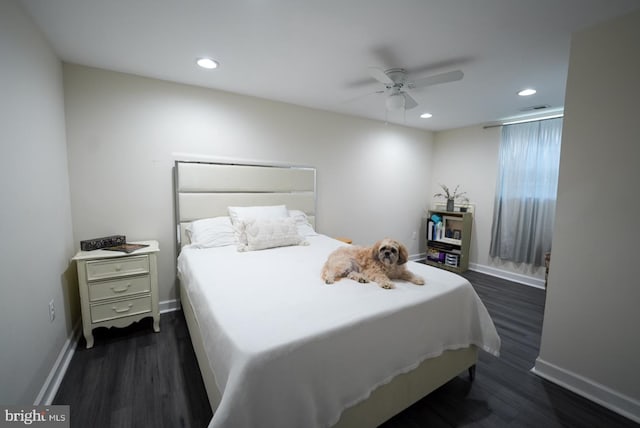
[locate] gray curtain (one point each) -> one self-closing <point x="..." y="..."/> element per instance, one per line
<point x="524" y="208"/>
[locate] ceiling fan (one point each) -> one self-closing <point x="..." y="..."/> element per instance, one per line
<point x="396" y="85"/>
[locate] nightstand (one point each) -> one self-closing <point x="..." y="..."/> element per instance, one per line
<point x="118" y="289"/>
<point x="345" y="240"/>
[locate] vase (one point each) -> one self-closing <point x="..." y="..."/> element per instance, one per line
<point x="450" y="204"/>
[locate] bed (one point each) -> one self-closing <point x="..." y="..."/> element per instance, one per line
<point x="278" y="347"/>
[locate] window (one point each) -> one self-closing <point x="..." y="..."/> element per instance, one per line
<point x="525" y="202"/>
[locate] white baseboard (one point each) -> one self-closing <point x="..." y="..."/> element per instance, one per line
<point x="511" y="276"/>
<point x="56" y="374"/>
<point x="417" y="257"/>
<point x="606" y="397"/>
<point x="169" y="306"/>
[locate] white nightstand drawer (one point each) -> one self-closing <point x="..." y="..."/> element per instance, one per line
<point x="120" y="308"/>
<point x="119" y="287"/>
<point x="101" y="269"/>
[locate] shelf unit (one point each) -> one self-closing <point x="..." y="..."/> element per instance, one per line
<point x="449" y="249"/>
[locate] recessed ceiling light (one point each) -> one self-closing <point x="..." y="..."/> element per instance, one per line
<point x="207" y="63"/>
<point x="426" y="115"/>
<point x="526" y="92"/>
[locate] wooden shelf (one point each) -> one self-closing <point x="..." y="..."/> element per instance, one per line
<point x="454" y="241"/>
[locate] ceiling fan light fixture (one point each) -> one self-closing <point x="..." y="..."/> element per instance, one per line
<point x="395" y="102"/>
<point x="207" y="63"/>
<point x="426" y="115"/>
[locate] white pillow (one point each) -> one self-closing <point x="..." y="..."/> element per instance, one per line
<point x="212" y="232"/>
<point x="269" y="233"/>
<point x="265" y="212"/>
<point x="257" y="212"/>
<point x="304" y="226"/>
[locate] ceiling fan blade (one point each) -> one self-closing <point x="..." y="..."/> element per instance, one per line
<point x="437" y="79"/>
<point x="409" y="102"/>
<point x="380" y="76"/>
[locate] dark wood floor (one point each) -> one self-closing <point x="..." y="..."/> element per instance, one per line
<point x="136" y="378"/>
<point x="133" y="377"/>
<point x="505" y="393"/>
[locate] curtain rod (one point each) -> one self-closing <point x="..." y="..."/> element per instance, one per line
<point x="515" y="122"/>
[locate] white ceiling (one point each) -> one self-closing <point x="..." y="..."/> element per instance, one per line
<point x="316" y="53"/>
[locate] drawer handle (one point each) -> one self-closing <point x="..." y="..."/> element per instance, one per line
<point x="122" y="310"/>
<point x="121" y="289"/>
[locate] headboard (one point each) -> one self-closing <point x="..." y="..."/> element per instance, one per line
<point x="204" y="190"/>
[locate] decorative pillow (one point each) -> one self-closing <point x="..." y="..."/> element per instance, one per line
<point x="269" y="233"/>
<point x="257" y="212"/>
<point x="304" y="227"/>
<point x="212" y="232"/>
<point x="265" y="212"/>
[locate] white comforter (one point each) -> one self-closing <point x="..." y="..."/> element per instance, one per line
<point x="289" y="351"/>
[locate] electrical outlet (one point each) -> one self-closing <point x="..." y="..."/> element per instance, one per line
<point x="414" y="236"/>
<point x="52" y="311"/>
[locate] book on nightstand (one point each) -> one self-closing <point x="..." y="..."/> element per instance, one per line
<point x="126" y="248"/>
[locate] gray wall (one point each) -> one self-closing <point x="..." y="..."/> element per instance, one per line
<point x="590" y="339"/>
<point x="124" y="133"/>
<point x="35" y="219"/>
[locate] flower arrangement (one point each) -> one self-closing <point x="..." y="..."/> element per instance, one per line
<point x="451" y="197"/>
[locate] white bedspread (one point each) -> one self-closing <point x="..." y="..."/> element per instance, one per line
<point x="288" y="350"/>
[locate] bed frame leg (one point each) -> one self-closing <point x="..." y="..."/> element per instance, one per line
<point x="472" y="373"/>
